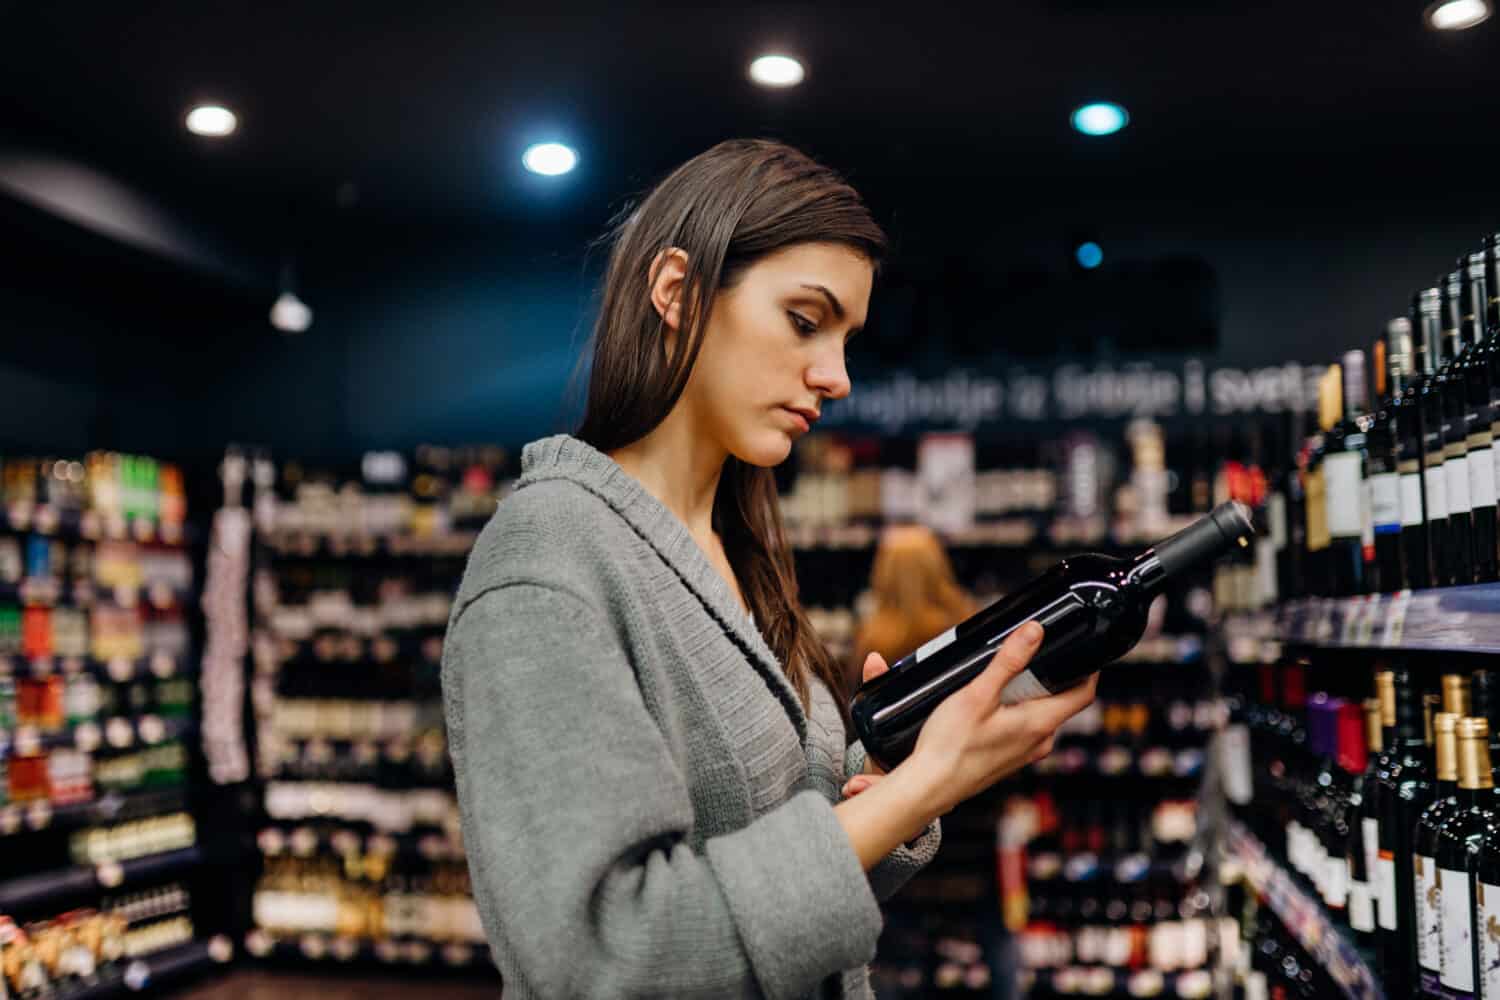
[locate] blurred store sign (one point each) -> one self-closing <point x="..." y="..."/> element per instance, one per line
<point x="968" y="400"/>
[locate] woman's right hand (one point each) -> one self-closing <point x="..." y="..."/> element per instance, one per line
<point x="972" y="741"/>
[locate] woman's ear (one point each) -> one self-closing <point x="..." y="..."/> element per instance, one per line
<point x="668" y="279"/>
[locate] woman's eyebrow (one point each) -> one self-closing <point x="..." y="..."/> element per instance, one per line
<point x="833" y="300"/>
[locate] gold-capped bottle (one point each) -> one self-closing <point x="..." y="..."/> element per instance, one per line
<point x="1459" y="843"/>
<point x="1424" y="860"/>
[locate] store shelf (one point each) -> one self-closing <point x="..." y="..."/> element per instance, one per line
<point x="407" y="951"/>
<point x="119" y="732"/>
<point x="110" y="807"/>
<point x="44" y="519"/>
<point x="1443" y="618"/>
<point x="1120" y="761"/>
<point x="1045" y="869"/>
<point x="1106" y="981"/>
<point x="32" y="893"/>
<point x="151" y="971"/>
<point x="313" y="545"/>
<point x="1302" y="915"/>
<point x="160" y="665"/>
<point x="334" y="838"/>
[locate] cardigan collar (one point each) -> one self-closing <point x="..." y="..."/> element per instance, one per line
<point x="565" y="457"/>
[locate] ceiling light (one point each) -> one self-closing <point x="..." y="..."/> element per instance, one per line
<point x="290" y="314"/>
<point x="549" y="159"/>
<point x="211" y="120"/>
<point x="1089" y="255"/>
<point x="777" y="71"/>
<point x="1100" y="118"/>
<point x="1456" y="15"/>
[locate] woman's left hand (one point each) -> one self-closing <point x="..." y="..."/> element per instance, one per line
<point x="875" y="665"/>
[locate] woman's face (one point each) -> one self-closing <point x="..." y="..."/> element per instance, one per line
<point x="773" y="350"/>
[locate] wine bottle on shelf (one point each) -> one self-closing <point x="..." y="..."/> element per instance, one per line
<point x="1344" y="481"/>
<point x="1428" y="330"/>
<point x="1459" y="843"/>
<point x="1363" y="843"/>
<point x="1342" y="809"/>
<point x="1093" y="608"/>
<point x="1479" y="438"/>
<point x="1405" y="790"/>
<point x="1287" y="508"/>
<point x="1452" y="387"/>
<point x="1489" y="352"/>
<point x="1445" y="803"/>
<point x="1314" y="488"/>
<point x="1486" y="689"/>
<point x="1383" y="465"/>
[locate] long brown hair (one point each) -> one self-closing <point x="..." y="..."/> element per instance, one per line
<point x="916" y="593"/>
<point x="725" y="209"/>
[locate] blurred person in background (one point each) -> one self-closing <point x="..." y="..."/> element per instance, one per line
<point x="914" y="594"/>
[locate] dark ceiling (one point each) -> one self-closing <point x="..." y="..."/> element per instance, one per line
<point x="425" y="108"/>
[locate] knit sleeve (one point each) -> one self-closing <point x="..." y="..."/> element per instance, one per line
<point x="896" y="869"/>
<point x="577" y="824"/>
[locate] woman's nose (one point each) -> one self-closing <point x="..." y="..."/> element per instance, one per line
<point x="829" y="377"/>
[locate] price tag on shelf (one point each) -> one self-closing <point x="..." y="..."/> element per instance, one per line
<point x="1395" y="619"/>
<point x="1348" y="612"/>
<point x="259" y="943"/>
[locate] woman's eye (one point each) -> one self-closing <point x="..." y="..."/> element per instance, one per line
<point x="802" y="323"/>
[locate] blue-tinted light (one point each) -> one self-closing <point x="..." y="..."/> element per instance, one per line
<point x="550" y="159"/>
<point x="1089" y="255"/>
<point x="1101" y="118"/>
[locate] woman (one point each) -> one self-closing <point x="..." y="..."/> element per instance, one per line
<point x="649" y="743"/>
<point x="916" y="596"/>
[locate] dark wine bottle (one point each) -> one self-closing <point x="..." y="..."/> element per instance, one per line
<point x="1460" y="841"/>
<point x="1478" y="418"/>
<point x="1487" y="881"/>
<point x="1450" y="380"/>
<point x="1364" y="831"/>
<point x="1344" y="452"/>
<point x="1382" y="462"/>
<point x="1316" y="564"/>
<point x="1428" y="329"/>
<point x="1405" y="790"/>
<point x="1093" y="608"/>
<point x="1445" y="803"/>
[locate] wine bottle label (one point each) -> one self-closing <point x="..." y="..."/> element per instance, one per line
<point x="1411" y="500"/>
<point x="1482" y="477"/>
<point x="1234" y="760"/>
<point x="1429" y="913"/>
<point x="1023" y="687"/>
<point x="1385" y="888"/>
<point x="1385" y="502"/>
<point x="1336" y="882"/>
<point x="1487" y="915"/>
<point x="1361" y="903"/>
<point x="1341" y="483"/>
<point x="1317" y="511"/>
<point x="936" y="643"/>
<point x="1367" y="519"/>
<point x="1458" y="959"/>
<point x="1276" y="516"/>
<point x="1255" y="986"/>
<point x="1457" y="473"/>
<point x="1371" y="828"/>
<point x="1437" y="492"/>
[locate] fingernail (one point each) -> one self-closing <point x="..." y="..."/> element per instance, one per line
<point x="1033" y="632"/>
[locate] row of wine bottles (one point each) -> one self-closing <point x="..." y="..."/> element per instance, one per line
<point x="1388" y="811"/>
<point x="1404" y="496"/>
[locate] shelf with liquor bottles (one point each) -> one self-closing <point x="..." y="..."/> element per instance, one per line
<point x="97" y="706"/>
<point x="128" y="944"/>
<point x="351" y="574"/>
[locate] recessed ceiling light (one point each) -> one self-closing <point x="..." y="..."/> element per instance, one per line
<point x="1100" y="118"/>
<point x="549" y="159"/>
<point x="777" y="71"/>
<point x="211" y="120"/>
<point x="1456" y="15"/>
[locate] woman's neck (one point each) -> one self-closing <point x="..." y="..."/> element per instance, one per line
<point x="678" y="466"/>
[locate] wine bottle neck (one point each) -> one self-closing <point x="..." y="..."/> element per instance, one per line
<point x="1148" y="573"/>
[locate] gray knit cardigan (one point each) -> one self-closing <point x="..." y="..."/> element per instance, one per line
<point x="647" y="809"/>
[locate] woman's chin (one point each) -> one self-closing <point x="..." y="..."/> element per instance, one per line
<point x="765" y="450"/>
